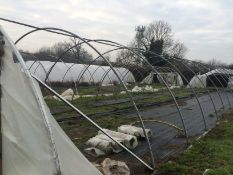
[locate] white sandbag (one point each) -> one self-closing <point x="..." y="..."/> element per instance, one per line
<point x="150" y="89"/>
<point x="133" y="130"/>
<point x="128" y="140"/>
<point x="68" y="92"/>
<point x="115" y="147"/>
<point x="103" y="145"/>
<point x="113" y="167"/>
<point x="137" y="89"/>
<point x="95" y="152"/>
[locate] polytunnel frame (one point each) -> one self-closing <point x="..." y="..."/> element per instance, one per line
<point x="108" y="70"/>
<point x="35" y="61"/>
<point x="35" y="27"/>
<point x="86" y="66"/>
<point x="154" y="69"/>
<point x="127" y="92"/>
<point x="122" y="83"/>
<point x="177" y="70"/>
<point x="223" y="69"/>
<point x="75" y="85"/>
<point x="218" y="70"/>
<point x="39" y="63"/>
<point x="190" y="69"/>
<point x="91" y="61"/>
<point x="216" y="88"/>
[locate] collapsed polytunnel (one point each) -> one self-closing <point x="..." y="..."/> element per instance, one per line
<point x="80" y="73"/>
<point x="171" y="78"/>
<point x="216" y="77"/>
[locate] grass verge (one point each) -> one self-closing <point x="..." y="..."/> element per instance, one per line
<point x="213" y="152"/>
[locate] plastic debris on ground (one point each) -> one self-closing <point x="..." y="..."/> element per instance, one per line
<point x="133" y="130"/>
<point x="113" y="167"/>
<point x="128" y="140"/>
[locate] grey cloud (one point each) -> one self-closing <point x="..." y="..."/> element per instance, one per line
<point x="205" y="26"/>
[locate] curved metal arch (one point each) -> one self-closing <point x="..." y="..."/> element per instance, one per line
<point x="220" y="74"/>
<point x="171" y="93"/>
<point x="122" y="83"/>
<point x="167" y="87"/>
<point x="78" y="76"/>
<point x="193" y="91"/>
<point x="75" y="86"/>
<point x="218" y="92"/>
<point x="221" y="86"/>
<point x="92" y="60"/>
<point x="190" y="69"/>
<point x="92" y="76"/>
<point x="230" y="82"/>
<point x="36" y="60"/>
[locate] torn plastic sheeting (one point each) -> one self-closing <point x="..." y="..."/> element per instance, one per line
<point x="113" y="167"/>
<point x="128" y="140"/>
<point x="133" y="130"/>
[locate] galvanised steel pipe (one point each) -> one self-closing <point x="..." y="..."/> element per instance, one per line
<point x="122" y="83"/>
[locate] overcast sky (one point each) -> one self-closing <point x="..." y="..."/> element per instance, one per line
<point x="204" y="26"/>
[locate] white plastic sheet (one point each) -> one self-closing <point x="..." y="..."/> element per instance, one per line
<point x="129" y="141"/>
<point x="32" y="141"/>
<point x="133" y="130"/>
<point x="200" y="81"/>
<point x="69" y="72"/>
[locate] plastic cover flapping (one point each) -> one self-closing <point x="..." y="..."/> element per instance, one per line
<point x="28" y="145"/>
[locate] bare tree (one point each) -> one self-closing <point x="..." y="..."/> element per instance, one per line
<point x="70" y="51"/>
<point x="158" y="38"/>
<point x="216" y="63"/>
<point x="178" y="50"/>
<point x="157" y="31"/>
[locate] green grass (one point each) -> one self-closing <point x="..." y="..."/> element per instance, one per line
<point x="214" y="152"/>
<point x="80" y="130"/>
